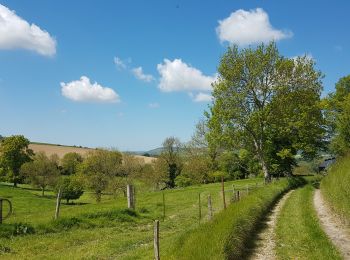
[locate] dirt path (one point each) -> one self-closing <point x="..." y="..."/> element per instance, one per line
<point x="265" y="241"/>
<point x="332" y="225"/>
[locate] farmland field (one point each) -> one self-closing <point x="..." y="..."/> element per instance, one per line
<point x="61" y="150"/>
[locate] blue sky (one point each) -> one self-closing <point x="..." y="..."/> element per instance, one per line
<point x="127" y="74"/>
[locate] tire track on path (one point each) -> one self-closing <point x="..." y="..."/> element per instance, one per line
<point x="266" y="239"/>
<point x="332" y="225"/>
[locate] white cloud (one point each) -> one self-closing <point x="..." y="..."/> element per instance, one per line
<point x="119" y="63"/>
<point x="249" y="27"/>
<point x="153" y="105"/>
<point x="139" y="74"/>
<point x="202" y="97"/>
<point x="176" y="75"/>
<point x="16" y="33"/>
<point x="83" y="91"/>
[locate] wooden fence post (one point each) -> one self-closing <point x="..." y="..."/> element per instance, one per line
<point x="163" y="205"/>
<point x="156" y="240"/>
<point x="238" y="196"/>
<point x="223" y="191"/>
<point x="210" y="208"/>
<point x="199" y="208"/>
<point x="58" y="204"/>
<point x="247" y="189"/>
<point x="130" y="196"/>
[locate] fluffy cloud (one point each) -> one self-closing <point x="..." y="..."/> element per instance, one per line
<point x="84" y="91"/>
<point x="202" y="97"/>
<point x="176" y="75"/>
<point x="16" y="33"/>
<point x="249" y="27"/>
<point x="139" y="74"/>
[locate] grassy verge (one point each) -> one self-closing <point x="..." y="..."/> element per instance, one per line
<point x="227" y="235"/>
<point x="335" y="188"/>
<point x="304" y="238"/>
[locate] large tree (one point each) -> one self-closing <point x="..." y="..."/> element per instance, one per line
<point x="262" y="99"/>
<point x="14" y="152"/>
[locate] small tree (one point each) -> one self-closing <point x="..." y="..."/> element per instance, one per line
<point x="71" y="188"/>
<point x="99" y="168"/>
<point x="70" y="163"/>
<point x="171" y="154"/>
<point x="14" y="152"/>
<point x="41" y="172"/>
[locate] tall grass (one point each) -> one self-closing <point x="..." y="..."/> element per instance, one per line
<point x="227" y="236"/>
<point x="335" y="187"/>
<point x="304" y="238"/>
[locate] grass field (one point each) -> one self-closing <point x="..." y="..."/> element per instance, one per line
<point x="106" y="230"/>
<point x="299" y="234"/>
<point x="335" y="188"/>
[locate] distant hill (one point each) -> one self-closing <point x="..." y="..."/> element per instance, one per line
<point x="61" y="150"/>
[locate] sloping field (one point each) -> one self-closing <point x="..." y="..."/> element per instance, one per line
<point x="61" y="150"/>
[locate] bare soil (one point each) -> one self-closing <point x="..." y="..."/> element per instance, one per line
<point x="266" y="240"/>
<point x="336" y="230"/>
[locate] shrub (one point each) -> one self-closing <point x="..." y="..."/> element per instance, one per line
<point x="183" y="181"/>
<point x="71" y="189"/>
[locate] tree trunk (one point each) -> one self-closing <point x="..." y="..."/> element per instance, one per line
<point x="267" y="175"/>
<point x="263" y="163"/>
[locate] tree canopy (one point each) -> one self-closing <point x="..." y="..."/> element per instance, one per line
<point x="268" y="105"/>
<point x="14" y="152"/>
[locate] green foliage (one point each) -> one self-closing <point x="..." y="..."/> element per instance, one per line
<point x="337" y="110"/>
<point x="304" y="239"/>
<point x="183" y="181"/>
<point x="41" y="172"/>
<point x="99" y="168"/>
<point x="335" y="187"/>
<point x="14" y="152"/>
<point x="71" y="188"/>
<point x="171" y="154"/>
<point x="70" y="163"/>
<point x="227" y="235"/>
<point x="267" y="104"/>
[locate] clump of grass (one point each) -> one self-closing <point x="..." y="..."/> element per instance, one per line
<point x="304" y="239"/>
<point x="335" y="187"/>
<point x="16" y="229"/>
<point x="227" y="236"/>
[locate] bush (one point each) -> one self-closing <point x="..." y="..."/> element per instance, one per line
<point x="183" y="181"/>
<point x="16" y="229"/>
<point x="71" y="189"/>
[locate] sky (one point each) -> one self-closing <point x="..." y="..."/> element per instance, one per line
<point x="128" y="74"/>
